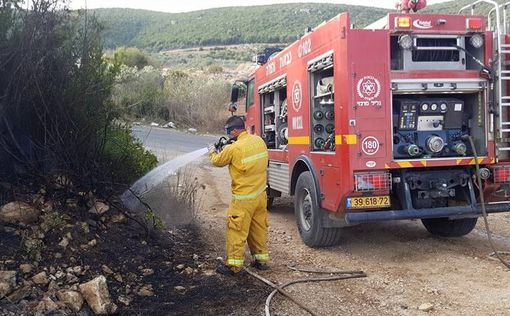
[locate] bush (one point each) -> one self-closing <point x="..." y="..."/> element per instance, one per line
<point x="131" y="57"/>
<point x="139" y="93"/>
<point x="125" y="157"/>
<point x="55" y="106"/>
<point x="197" y="101"/>
<point x="215" y="69"/>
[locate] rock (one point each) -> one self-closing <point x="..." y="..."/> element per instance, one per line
<point x="53" y="286"/>
<point x="195" y="257"/>
<point x="180" y="267"/>
<point x="49" y="304"/>
<point x="192" y="130"/>
<point x="19" y="212"/>
<point x="147" y="272"/>
<point x="146" y="290"/>
<point x="20" y="293"/>
<point x="99" y="208"/>
<point x="426" y="307"/>
<point x="72" y="299"/>
<point x="169" y="125"/>
<point x="97" y="296"/>
<point x="58" y="255"/>
<point x="64" y="242"/>
<point x="124" y="300"/>
<point x="180" y="289"/>
<point x="118" y="277"/>
<point x="85" y="227"/>
<point x="60" y="274"/>
<point x="118" y="218"/>
<point x="71" y="278"/>
<point x="78" y="270"/>
<point x="153" y="124"/>
<point x="41" y="278"/>
<point x="92" y="243"/>
<point x="106" y="269"/>
<point x="26" y="268"/>
<point x="188" y="270"/>
<point x="7" y="282"/>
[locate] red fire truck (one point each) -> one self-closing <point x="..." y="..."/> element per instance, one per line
<point x="384" y="123"/>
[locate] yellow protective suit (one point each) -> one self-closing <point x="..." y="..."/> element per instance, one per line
<point x="247" y="159"/>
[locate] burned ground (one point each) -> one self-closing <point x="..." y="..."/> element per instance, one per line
<point x="183" y="281"/>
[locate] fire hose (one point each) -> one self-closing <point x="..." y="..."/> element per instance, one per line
<point x="340" y="275"/>
<point x="496" y="253"/>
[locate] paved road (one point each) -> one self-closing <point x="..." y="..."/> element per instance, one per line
<point x="168" y="143"/>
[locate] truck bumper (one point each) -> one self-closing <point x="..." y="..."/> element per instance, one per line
<point x="454" y="212"/>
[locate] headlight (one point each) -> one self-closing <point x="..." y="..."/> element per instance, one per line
<point x="435" y="144"/>
<point x="405" y="41"/>
<point x="476" y="41"/>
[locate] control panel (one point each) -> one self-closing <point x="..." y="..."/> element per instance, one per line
<point x="429" y="128"/>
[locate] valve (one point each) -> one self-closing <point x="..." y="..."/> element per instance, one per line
<point x="460" y="148"/>
<point x="413" y="150"/>
<point x="435" y="144"/>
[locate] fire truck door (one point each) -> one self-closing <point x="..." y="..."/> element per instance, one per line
<point x="370" y="111"/>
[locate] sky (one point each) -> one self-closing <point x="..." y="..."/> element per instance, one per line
<point x="193" y="5"/>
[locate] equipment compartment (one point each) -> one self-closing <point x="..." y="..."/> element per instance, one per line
<point x="322" y="104"/>
<point x="437" y="125"/>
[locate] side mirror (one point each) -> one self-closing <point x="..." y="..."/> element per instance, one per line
<point x="234" y="95"/>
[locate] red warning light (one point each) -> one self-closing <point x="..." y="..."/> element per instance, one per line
<point x="474" y="24"/>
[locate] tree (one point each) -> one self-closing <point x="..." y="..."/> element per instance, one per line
<point x="55" y="88"/>
<point x="131" y="57"/>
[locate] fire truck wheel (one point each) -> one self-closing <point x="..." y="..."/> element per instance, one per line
<point x="308" y="216"/>
<point x="449" y="228"/>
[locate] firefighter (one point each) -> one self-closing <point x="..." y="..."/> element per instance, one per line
<point x="247" y="159"/>
<point x="407" y="5"/>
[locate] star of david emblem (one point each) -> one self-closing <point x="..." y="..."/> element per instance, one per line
<point x="296" y="96"/>
<point x="369" y="87"/>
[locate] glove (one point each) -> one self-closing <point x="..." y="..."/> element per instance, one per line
<point x="211" y="148"/>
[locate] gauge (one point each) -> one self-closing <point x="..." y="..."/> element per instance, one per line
<point x="443" y="106"/>
<point x="433" y="107"/>
<point x="424" y="106"/>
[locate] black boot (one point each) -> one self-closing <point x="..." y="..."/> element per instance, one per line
<point x="260" y="265"/>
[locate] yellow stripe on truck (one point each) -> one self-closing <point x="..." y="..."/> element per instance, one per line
<point x="351" y="139"/>
<point x="299" y="140"/>
<point x="348" y="139"/>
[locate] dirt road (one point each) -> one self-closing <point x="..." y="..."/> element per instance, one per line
<point x="406" y="266"/>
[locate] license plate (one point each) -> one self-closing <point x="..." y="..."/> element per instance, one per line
<point x="368" y="202"/>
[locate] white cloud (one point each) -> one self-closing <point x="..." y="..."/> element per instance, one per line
<point x="193" y="5"/>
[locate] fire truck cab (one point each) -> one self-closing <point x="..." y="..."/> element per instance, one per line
<point x="391" y="122"/>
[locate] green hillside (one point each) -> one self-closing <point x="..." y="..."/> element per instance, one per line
<point x="280" y="23"/>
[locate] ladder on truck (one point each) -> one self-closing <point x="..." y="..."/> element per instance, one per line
<point x="499" y="114"/>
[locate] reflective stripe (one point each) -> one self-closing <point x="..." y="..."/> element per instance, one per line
<point x="235" y="262"/>
<point x="248" y="196"/>
<point x="254" y="157"/>
<point x="261" y="256"/>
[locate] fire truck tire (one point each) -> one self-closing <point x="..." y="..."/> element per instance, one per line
<point x="309" y="216"/>
<point x="449" y="228"/>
